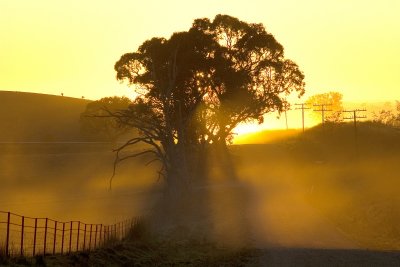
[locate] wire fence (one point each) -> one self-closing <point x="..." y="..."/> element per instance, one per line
<point x="27" y="236"/>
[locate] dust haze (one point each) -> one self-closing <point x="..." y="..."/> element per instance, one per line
<point x="311" y="190"/>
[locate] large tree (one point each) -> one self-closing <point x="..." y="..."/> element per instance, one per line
<point x="197" y="86"/>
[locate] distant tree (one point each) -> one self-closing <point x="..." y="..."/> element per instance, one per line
<point x="334" y="102"/>
<point x="388" y="116"/>
<point x="196" y="86"/>
<point x="96" y="122"/>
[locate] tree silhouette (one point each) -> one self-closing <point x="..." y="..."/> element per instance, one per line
<point x="334" y="102"/>
<point x="96" y="122"/>
<point x="197" y="86"/>
<point x="388" y="116"/>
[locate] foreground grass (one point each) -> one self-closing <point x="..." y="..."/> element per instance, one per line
<point x="190" y="253"/>
<point x="142" y="253"/>
<point x="142" y="247"/>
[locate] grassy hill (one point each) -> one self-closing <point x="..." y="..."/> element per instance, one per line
<point x="30" y="117"/>
<point x="354" y="187"/>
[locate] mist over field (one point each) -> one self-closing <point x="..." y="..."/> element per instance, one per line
<point x="48" y="168"/>
<point x="277" y="190"/>
<point x="70" y="182"/>
<point x="301" y="190"/>
<point x="316" y="190"/>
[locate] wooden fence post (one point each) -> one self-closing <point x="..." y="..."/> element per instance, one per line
<point x="62" y="242"/>
<point x="55" y="237"/>
<point x="22" y="235"/>
<point x="8" y="233"/>
<point x="34" y="238"/>
<point x="45" y="236"/>
<point x="101" y="232"/>
<point x="84" y="237"/>
<point x="105" y="234"/>
<point x="77" y="238"/>
<point x="95" y="237"/>
<point x="70" y="237"/>
<point x="90" y="237"/>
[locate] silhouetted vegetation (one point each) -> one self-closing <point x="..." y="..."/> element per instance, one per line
<point x="96" y="122"/>
<point x="388" y="116"/>
<point x="196" y="86"/>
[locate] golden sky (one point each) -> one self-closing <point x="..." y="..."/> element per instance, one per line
<point x="50" y="47"/>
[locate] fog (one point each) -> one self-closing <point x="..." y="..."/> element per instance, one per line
<point x="303" y="191"/>
<point x="71" y="182"/>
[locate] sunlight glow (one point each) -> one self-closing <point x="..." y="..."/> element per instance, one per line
<point x="70" y="47"/>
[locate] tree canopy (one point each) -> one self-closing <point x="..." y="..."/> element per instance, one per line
<point x="388" y="116"/>
<point x="333" y="102"/>
<point x="197" y="86"/>
<point x="96" y="122"/>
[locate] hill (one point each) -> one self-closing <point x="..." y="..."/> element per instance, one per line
<point x="30" y="117"/>
<point x="353" y="187"/>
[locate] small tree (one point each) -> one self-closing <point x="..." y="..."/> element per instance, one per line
<point x="96" y="122"/>
<point x="389" y="116"/>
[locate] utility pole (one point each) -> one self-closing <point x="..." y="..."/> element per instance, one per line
<point x="303" y="107"/>
<point x="354" y="116"/>
<point x="322" y="109"/>
<point x="286" y="106"/>
<point x="287" y="127"/>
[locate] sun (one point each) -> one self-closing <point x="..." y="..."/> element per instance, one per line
<point x="246" y="128"/>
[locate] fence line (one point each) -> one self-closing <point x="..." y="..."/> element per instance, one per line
<point x="28" y="236"/>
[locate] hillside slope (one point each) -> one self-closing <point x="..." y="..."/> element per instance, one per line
<point x="353" y="186"/>
<point x="30" y="117"/>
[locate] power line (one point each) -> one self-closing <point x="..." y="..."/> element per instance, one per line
<point x="322" y="110"/>
<point x="303" y="107"/>
<point x="286" y="107"/>
<point x="287" y="126"/>
<point x="354" y="117"/>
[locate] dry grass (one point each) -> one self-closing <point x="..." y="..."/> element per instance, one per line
<point x="142" y="248"/>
